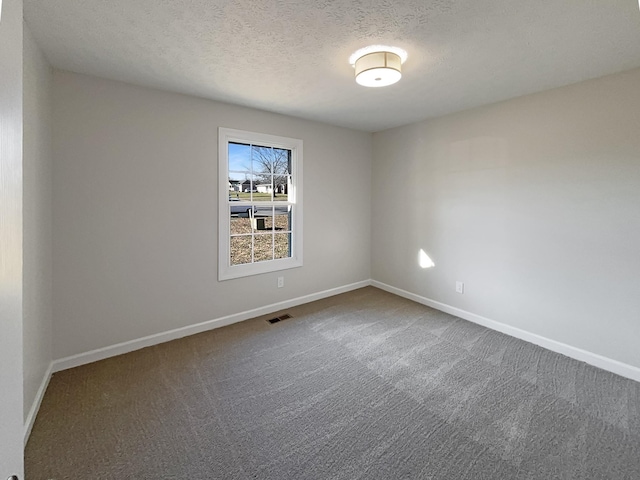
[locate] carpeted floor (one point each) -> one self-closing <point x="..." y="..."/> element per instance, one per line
<point x="364" y="385"/>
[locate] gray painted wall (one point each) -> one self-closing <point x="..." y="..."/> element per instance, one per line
<point x="534" y="203"/>
<point x="37" y="166"/>
<point x="135" y="212"/>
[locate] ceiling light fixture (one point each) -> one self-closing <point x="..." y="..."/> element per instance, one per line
<point x="378" y="65"/>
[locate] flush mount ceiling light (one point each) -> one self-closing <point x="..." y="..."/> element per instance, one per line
<point x="378" y="65"/>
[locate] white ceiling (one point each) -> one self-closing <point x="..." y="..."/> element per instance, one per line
<point x="291" y="56"/>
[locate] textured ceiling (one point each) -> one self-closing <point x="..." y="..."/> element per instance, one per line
<point x="291" y="56"/>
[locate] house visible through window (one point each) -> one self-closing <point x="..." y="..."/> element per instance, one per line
<point x="260" y="215"/>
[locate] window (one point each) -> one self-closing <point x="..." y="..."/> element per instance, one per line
<point x="260" y="203"/>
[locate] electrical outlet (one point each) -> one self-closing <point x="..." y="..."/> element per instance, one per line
<point x="460" y="287"/>
<point x="280" y="282"/>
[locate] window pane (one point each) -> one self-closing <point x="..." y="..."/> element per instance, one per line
<point x="262" y="161"/>
<point x="239" y="210"/>
<point x="263" y="247"/>
<point x="239" y="223"/>
<point x="264" y="217"/>
<point x="281" y="187"/>
<point x="281" y="174"/>
<point x="235" y="185"/>
<point x="282" y="245"/>
<point x="249" y="188"/>
<point x="245" y="185"/>
<point x="240" y="189"/>
<point x="281" y="162"/>
<point x="282" y="219"/>
<point x="240" y="250"/>
<point x="263" y="189"/>
<point x="239" y="160"/>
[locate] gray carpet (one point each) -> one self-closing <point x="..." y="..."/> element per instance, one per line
<point x="364" y="385"/>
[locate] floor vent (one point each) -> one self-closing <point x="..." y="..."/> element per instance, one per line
<point x="286" y="316"/>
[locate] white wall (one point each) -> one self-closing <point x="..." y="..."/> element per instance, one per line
<point x="135" y="213"/>
<point x="11" y="427"/>
<point x="37" y="301"/>
<point x="534" y="203"/>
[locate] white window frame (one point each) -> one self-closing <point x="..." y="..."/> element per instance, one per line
<point x="226" y="271"/>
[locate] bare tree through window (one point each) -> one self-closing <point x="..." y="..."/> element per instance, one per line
<point x="272" y="167"/>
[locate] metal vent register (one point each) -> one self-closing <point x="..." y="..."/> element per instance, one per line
<point x="286" y="316"/>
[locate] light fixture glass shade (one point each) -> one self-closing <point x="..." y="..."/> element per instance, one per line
<point x="378" y="69"/>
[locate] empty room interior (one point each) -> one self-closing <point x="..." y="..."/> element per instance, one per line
<point x="297" y="239"/>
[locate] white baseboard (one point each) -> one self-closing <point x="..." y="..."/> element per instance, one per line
<point x="605" y="363"/>
<point x="131" y="345"/>
<point x="33" y="412"/>
<point x="594" y="359"/>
